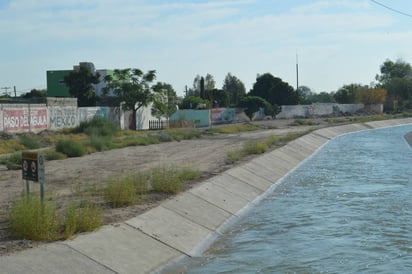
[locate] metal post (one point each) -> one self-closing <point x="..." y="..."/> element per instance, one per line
<point x="27" y="187"/>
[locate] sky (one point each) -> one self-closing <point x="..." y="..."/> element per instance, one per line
<point x="334" y="42"/>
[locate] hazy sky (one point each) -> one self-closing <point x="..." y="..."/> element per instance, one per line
<point x="337" y="41"/>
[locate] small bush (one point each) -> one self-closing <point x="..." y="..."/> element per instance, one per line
<point x="121" y="192"/>
<point x="233" y="156"/>
<point x="70" y="148"/>
<point x="250" y="148"/>
<point x="166" y="179"/>
<point x="187" y="174"/>
<point x="86" y="217"/>
<point x="12" y="162"/>
<point x="30" y="219"/>
<point x="98" y="126"/>
<point x="101" y="143"/>
<point x="29" y="143"/>
<point x="54" y="155"/>
<point x="271" y="140"/>
<point x="10" y="145"/>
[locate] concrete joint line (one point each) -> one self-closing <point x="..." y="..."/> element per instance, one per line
<point x="158" y="240"/>
<point x="215" y="205"/>
<point x="320" y="135"/>
<point x="368" y="126"/>
<point x="90" y="258"/>
<point x="247" y="182"/>
<point x="185" y="217"/>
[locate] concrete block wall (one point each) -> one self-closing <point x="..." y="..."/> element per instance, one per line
<point x="57" y="113"/>
<point x="320" y="109"/>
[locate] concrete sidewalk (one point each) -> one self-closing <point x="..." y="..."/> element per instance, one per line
<point x="181" y="227"/>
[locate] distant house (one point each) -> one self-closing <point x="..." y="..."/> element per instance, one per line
<point x="57" y="88"/>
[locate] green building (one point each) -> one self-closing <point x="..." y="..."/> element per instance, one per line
<point x="55" y="83"/>
<point x="57" y="88"/>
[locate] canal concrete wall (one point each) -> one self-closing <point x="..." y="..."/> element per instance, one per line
<point x="182" y="227"/>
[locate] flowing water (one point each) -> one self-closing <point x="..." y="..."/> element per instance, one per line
<point x="348" y="209"/>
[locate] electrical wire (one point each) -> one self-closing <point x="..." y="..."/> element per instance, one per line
<point x="391" y="9"/>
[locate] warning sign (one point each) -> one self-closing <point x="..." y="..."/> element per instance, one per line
<point x="29" y="166"/>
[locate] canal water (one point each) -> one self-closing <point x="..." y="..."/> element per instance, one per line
<point x="348" y="209"/>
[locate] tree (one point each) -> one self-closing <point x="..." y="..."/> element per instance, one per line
<point x="192" y="102"/>
<point x="391" y="70"/>
<point x="371" y="96"/>
<point x="202" y="88"/>
<point x="274" y="90"/>
<point x="209" y="82"/>
<point x="346" y="94"/>
<point x="218" y="98"/>
<point x="234" y="89"/>
<point x="396" y="78"/>
<point x="35" y="93"/>
<point x="80" y="83"/>
<point x="163" y="100"/>
<point x="253" y="104"/>
<point x="305" y="95"/>
<point x="133" y="87"/>
<point x="323" y="97"/>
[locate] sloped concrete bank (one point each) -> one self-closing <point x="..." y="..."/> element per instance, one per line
<point x="182" y="227"/>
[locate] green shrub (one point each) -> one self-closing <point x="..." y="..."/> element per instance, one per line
<point x="187" y="174"/>
<point x="54" y="155"/>
<point x="233" y="156"/>
<point x="272" y="140"/>
<point x="29" y="143"/>
<point x="12" y="162"/>
<point x="250" y="148"/>
<point x="100" y="143"/>
<point x="30" y="219"/>
<point x="166" y="179"/>
<point x="120" y="193"/>
<point x="70" y="148"/>
<point x="98" y="126"/>
<point x="86" y="217"/>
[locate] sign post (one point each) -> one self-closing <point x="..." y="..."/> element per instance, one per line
<point x="33" y="169"/>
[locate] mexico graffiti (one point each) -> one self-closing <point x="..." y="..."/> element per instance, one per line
<point x="24" y="119"/>
<point x="62" y="117"/>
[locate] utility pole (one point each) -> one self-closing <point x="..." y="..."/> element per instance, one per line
<point x="6" y="88"/>
<point x="297" y="76"/>
<point x="15" y="93"/>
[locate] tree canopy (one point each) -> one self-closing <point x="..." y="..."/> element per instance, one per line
<point x="274" y="90"/>
<point x="164" y="99"/>
<point x="253" y="103"/>
<point x="80" y="83"/>
<point x="133" y="87"/>
<point x="234" y="88"/>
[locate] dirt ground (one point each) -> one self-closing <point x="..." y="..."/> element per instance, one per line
<point x="206" y="154"/>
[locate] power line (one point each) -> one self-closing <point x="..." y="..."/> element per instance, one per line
<point x="392" y="9"/>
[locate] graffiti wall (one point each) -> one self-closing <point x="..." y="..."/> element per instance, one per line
<point x="57" y="113"/>
<point x="110" y="113"/>
<point x="222" y="115"/>
<point x="24" y="119"/>
<point x="200" y="118"/>
<point x="63" y="117"/>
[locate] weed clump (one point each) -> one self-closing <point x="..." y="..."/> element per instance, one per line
<point x="70" y="148"/>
